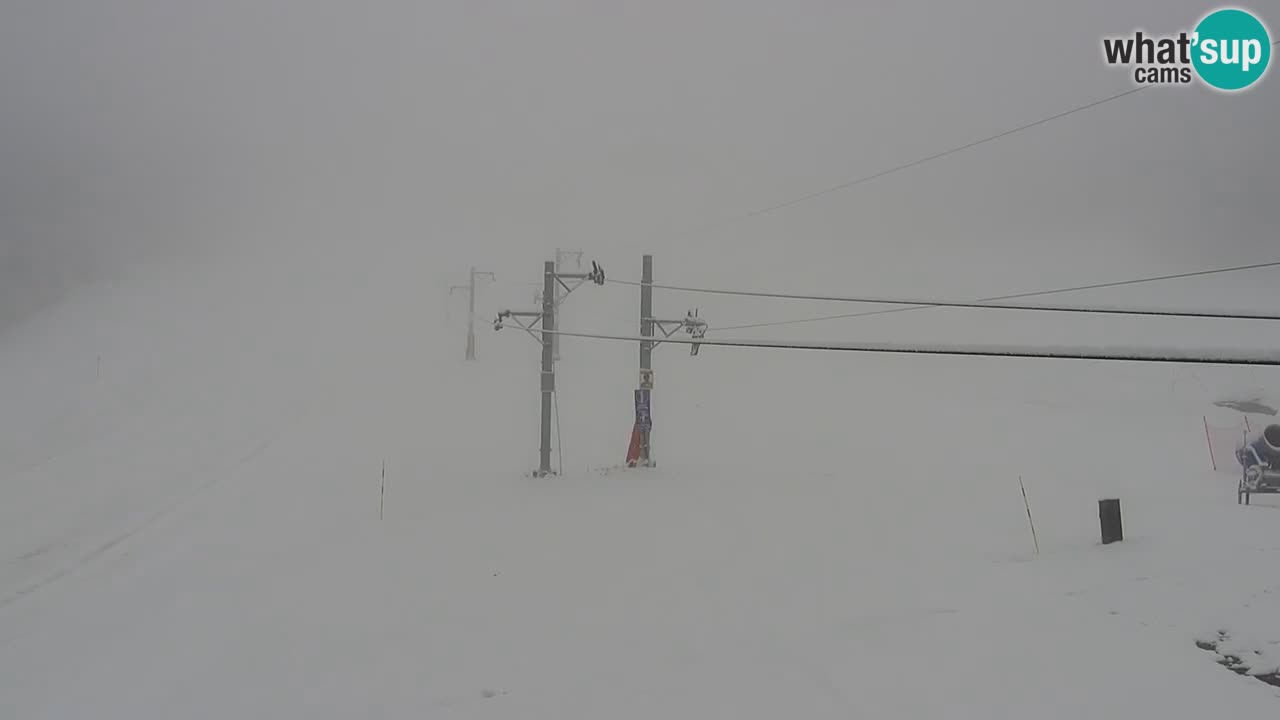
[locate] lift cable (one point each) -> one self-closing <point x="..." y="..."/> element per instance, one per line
<point x="993" y="303"/>
<point x="907" y="165"/>
<point x="1121" y="354"/>
<point x="919" y="161"/>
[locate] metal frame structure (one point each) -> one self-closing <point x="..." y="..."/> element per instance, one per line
<point x="546" y="319"/>
<point x="692" y="324"/>
<point x="1262" y="477"/>
<point x="470" y="287"/>
<point x="1257" y="480"/>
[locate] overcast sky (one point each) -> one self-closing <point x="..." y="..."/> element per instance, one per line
<point x="493" y="132"/>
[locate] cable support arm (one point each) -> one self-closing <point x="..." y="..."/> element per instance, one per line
<point x="695" y="326"/>
<point x="514" y="316"/>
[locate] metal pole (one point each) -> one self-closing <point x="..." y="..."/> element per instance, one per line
<point x="555" y="339"/>
<point x="646" y="348"/>
<point x="470" y="287"/>
<point x="471" y="317"/>
<point x="548" y="363"/>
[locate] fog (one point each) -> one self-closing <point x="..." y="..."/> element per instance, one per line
<point x="247" y="471"/>
<point x="145" y="131"/>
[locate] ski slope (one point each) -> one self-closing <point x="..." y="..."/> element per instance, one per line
<point x="191" y="467"/>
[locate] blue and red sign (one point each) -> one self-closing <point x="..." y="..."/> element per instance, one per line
<point x="644" y="421"/>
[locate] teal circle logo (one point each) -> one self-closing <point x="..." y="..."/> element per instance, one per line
<point x="1232" y="49"/>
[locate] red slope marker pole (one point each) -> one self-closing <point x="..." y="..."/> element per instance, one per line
<point x="1034" y="539"/>
<point x="1207" y="441"/>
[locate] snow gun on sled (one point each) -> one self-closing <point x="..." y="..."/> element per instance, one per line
<point x="1260" y="465"/>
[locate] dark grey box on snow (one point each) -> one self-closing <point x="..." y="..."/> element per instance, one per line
<point x="1109" y="518"/>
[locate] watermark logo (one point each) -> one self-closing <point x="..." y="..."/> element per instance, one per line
<point x="1228" y="50"/>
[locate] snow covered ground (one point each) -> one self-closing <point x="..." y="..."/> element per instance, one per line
<point x="191" y="481"/>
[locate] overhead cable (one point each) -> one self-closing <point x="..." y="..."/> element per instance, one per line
<point x="920" y="161"/>
<point x="1118" y="353"/>
<point x="987" y="303"/>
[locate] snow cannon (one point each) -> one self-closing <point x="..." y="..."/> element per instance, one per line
<point x="1268" y="445"/>
<point x="1261" y="465"/>
<point x="1263" y="450"/>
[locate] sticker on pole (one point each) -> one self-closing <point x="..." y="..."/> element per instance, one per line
<point x="644" y="421"/>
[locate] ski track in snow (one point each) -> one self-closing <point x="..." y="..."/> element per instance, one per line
<point x="150" y="521"/>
